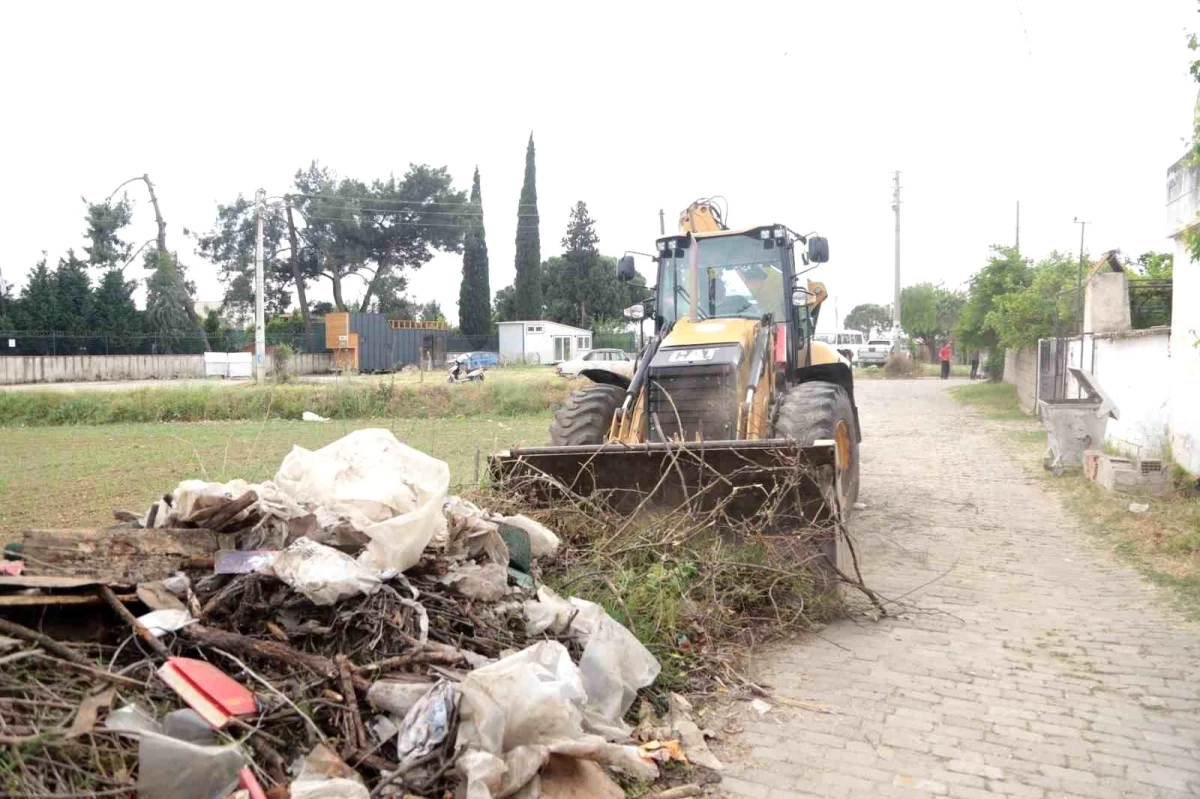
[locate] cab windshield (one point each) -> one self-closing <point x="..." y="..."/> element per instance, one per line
<point x="736" y="276"/>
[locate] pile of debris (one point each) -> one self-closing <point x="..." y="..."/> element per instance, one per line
<point x="344" y="630"/>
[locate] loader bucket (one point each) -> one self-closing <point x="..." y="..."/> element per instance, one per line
<point x="741" y="476"/>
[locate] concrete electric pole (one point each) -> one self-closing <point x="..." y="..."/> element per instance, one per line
<point x="662" y="222"/>
<point x="896" y="293"/>
<point x="1079" y="284"/>
<point x="260" y="335"/>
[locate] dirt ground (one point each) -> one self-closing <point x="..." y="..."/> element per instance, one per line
<point x="1021" y="659"/>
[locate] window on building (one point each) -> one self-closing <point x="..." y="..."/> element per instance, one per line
<point x="533" y="328"/>
<point x="582" y="343"/>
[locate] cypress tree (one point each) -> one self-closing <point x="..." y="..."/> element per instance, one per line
<point x="528" y="285"/>
<point x="475" y="293"/>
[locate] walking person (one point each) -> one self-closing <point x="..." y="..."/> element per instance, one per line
<point x="974" y="364"/>
<point x="944" y="355"/>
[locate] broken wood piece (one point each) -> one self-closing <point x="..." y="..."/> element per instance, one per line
<point x="357" y="732"/>
<point x="681" y="792"/>
<point x="41" y="581"/>
<point x="46" y="642"/>
<point x="120" y="679"/>
<point x="124" y="556"/>
<point x="271" y="650"/>
<point x="156" y="597"/>
<point x="139" y="628"/>
<point x="89" y="709"/>
<point x="430" y="653"/>
<point x="127" y="516"/>
<point x="227" y="513"/>
<point x="37" y="600"/>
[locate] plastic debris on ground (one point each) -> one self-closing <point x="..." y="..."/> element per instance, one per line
<point x="309" y="416"/>
<point x="350" y="632"/>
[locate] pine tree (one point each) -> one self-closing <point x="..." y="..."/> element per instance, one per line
<point x="166" y="316"/>
<point x="475" y="294"/>
<point x="114" y="314"/>
<point x="72" y="301"/>
<point x="581" y="254"/>
<point x="528" y="284"/>
<point x="37" y="311"/>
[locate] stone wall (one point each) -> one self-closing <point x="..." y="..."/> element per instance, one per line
<point x="1021" y="369"/>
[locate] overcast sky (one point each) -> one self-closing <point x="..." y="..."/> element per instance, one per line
<point x="796" y="112"/>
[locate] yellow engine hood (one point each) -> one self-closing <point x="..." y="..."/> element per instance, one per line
<point x="689" y="333"/>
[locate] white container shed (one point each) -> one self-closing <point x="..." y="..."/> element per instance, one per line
<point x="542" y="342"/>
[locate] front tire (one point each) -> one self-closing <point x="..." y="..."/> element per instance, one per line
<point x="819" y="410"/>
<point x="587" y="416"/>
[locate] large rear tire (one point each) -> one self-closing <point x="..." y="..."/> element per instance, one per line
<point x="587" y="416"/>
<point x="819" y="410"/>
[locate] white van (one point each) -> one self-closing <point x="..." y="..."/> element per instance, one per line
<point x="848" y="342"/>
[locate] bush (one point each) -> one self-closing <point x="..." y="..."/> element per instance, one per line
<point x="283" y="359"/>
<point x="899" y="366"/>
<point x="993" y="367"/>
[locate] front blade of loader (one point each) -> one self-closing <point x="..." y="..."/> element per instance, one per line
<point x="743" y="476"/>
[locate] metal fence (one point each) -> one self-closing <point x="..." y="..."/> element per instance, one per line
<point x="1149" y="303"/>
<point x="52" y="342"/>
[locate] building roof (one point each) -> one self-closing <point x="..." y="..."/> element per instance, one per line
<point x="544" y="322"/>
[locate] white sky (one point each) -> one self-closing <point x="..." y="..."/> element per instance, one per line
<point x="796" y="112"/>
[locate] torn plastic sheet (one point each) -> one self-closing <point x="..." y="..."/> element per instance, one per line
<point x="323" y="574"/>
<point x="385" y="489"/>
<point x="324" y="775"/>
<point x="169" y="768"/>
<point x="614" y="665"/>
<point x="427" y="722"/>
<point x="161" y="622"/>
<point x="487" y="583"/>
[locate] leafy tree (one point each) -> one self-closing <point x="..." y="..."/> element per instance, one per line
<point x="504" y="307"/>
<point x="104" y="223"/>
<point x="606" y="296"/>
<point x="1155" y="266"/>
<point x="1005" y="272"/>
<point x="212" y="324"/>
<point x="580" y="258"/>
<point x="929" y="312"/>
<point x="1044" y="308"/>
<point x="430" y="312"/>
<point x="527" y="286"/>
<point x="322" y="308"/>
<point x="868" y="317"/>
<point x="475" y="293"/>
<point x="230" y="245"/>
<point x="408" y="220"/>
<point x="166" y="309"/>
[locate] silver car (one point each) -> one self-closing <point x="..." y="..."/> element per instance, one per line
<point x="874" y="352"/>
<point x="613" y="360"/>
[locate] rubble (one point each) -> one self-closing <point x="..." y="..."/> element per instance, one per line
<point x="343" y="630"/>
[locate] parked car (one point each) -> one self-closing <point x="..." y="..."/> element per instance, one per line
<point x="612" y="359"/>
<point x="875" y="353"/>
<point x="481" y="360"/>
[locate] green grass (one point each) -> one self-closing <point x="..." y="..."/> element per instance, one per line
<point x="996" y="400"/>
<point x="523" y="394"/>
<point x="75" y="476"/>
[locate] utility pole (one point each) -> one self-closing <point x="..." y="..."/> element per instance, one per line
<point x="1079" y="286"/>
<point x="260" y="343"/>
<point x="662" y="222"/>
<point x="896" y="293"/>
<point x="1018" y="245"/>
<point x="837" y="318"/>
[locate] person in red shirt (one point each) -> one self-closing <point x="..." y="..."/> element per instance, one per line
<point x="945" y="354"/>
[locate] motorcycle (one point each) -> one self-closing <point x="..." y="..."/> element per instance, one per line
<point x="460" y="374"/>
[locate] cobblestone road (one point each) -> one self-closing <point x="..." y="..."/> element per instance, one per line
<point x="1037" y="666"/>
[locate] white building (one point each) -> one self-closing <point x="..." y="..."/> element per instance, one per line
<point x="542" y="342"/>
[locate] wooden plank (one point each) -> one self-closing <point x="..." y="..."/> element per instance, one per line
<point x="45" y="582"/>
<point x="34" y="600"/>
<point x="118" y="556"/>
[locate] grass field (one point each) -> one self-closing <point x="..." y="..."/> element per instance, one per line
<point x="70" y="476"/>
<point x="515" y="392"/>
<point x="1163" y="543"/>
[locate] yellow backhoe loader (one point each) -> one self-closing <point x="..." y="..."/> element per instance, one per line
<point x="732" y="401"/>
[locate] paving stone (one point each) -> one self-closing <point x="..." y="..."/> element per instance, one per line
<point x="1027" y="662"/>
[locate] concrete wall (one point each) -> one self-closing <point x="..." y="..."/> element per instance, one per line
<point x="84" y="368"/>
<point x="1133" y="369"/>
<point x="1021" y="369"/>
<point x="1106" y="303"/>
<point x="1183" y="203"/>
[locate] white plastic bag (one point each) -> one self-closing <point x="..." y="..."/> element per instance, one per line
<point x="389" y="491"/>
<point x="538" y="692"/>
<point x="323" y="574"/>
<point x="542" y="540"/>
